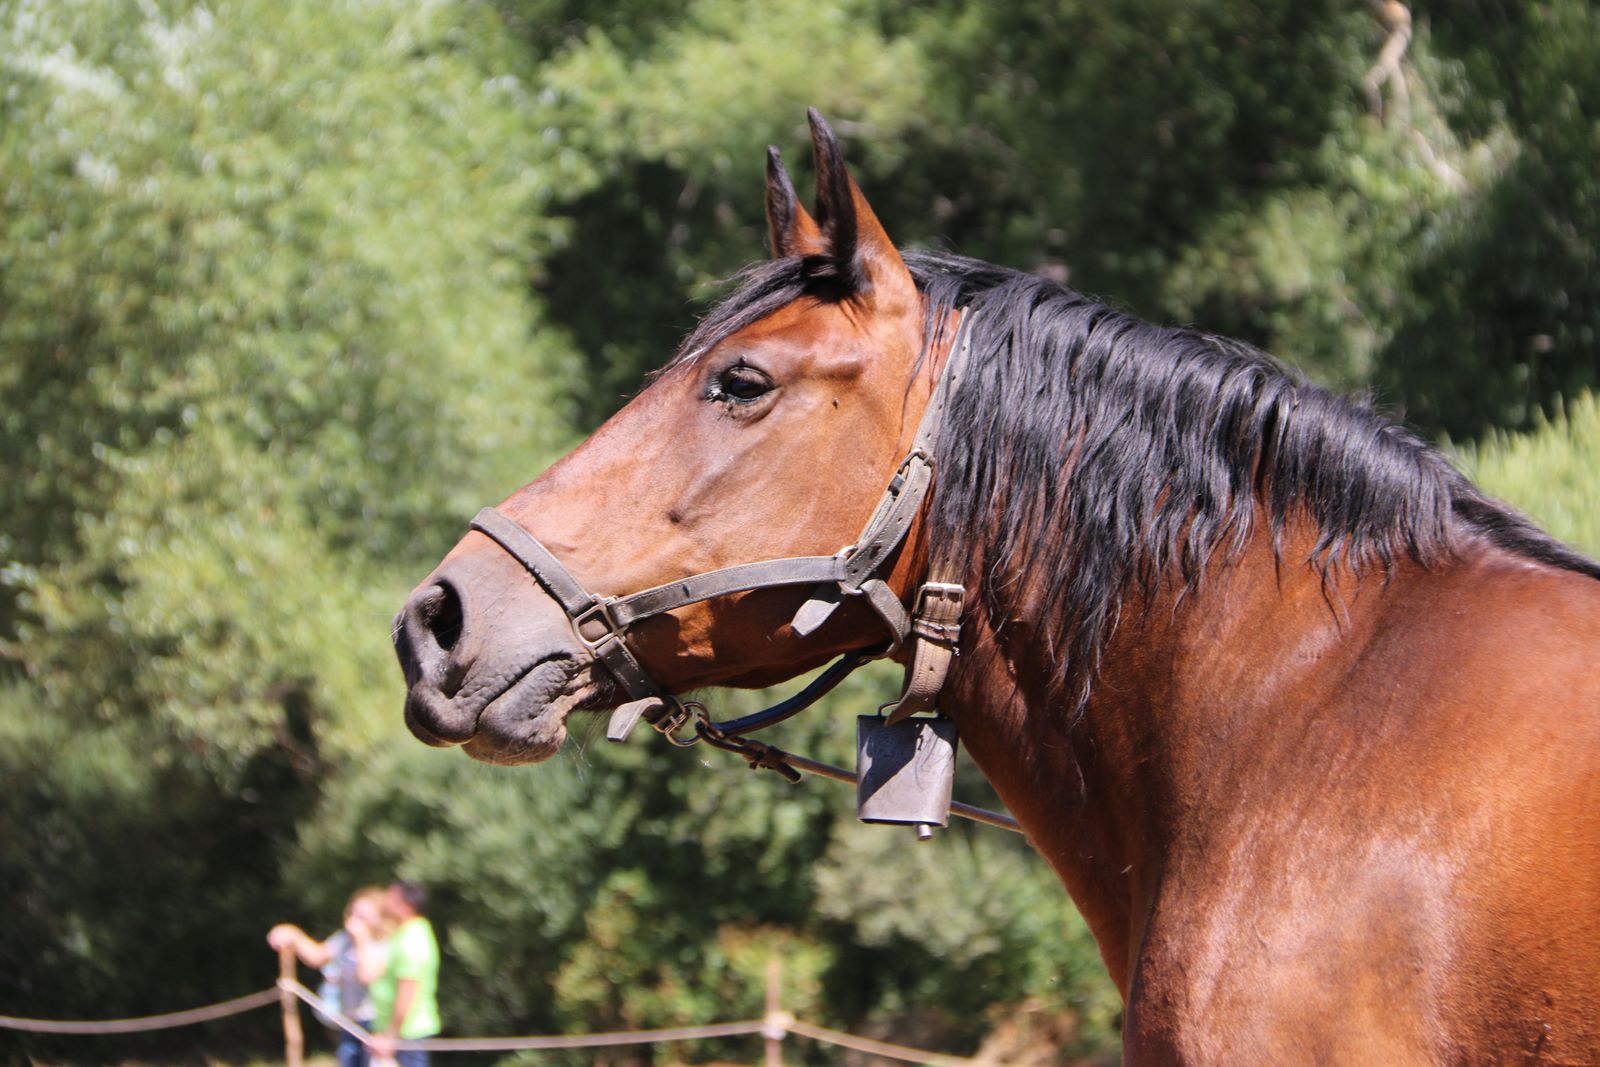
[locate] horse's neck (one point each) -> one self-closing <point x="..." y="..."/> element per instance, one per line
<point x="1192" y="697"/>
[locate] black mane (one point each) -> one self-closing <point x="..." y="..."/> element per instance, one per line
<point x="1088" y="455"/>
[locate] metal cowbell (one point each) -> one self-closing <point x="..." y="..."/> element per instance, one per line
<point x="905" y="771"/>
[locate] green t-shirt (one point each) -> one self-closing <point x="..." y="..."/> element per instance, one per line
<point x="414" y="954"/>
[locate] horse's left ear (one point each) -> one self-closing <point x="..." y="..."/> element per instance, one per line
<point x="791" y="231"/>
<point x="862" y="256"/>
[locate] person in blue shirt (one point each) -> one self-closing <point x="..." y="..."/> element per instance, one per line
<point x="347" y="959"/>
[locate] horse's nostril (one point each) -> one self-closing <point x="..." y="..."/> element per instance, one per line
<point x="440" y="610"/>
<point x="427" y="639"/>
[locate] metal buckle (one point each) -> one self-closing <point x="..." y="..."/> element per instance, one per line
<point x="938" y="612"/>
<point x="897" y="481"/>
<point x="599" y="611"/>
<point x="952" y="593"/>
<point x="677" y="715"/>
<point x="911" y="457"/>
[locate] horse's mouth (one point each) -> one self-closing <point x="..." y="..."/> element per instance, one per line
<point x="525" y="721"/>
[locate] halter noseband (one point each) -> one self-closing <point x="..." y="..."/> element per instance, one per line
<point x="933" y="626"/>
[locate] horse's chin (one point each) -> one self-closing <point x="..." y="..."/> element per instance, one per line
<point x="527" y="723"/>
<point x="510" y="752"/>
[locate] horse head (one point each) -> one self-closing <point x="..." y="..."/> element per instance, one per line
<point x="771" y="435"/>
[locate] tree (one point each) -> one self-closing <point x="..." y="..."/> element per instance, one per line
<point x="266" y="337"/>
<point x="1506" y="318"/>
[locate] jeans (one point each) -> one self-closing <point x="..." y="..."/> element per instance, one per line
<point x="352" y="1053"/>
<point x="411" y="1058"/>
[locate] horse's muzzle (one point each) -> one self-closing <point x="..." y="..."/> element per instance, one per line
<point x="489" y="661"/>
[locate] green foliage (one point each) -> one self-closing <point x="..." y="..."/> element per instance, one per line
<point x="1114" y="132"/>
<point x="1202" y="162"/>
<point x="670" y="119"/>
<point x="270" y="301"/>
<point x="1309" y="270"/>
<point x="1552" y="472"/>
<point x="263" y="271"/>
<point x="1507" y="315"/>
<point x="971" y="925"/>
<point x="131" y="886"/>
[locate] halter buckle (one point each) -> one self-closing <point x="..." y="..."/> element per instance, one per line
<point x="597" y="613"/>
<point x="918" y="453"/>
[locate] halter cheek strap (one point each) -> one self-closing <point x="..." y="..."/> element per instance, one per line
<point x="933" y="627"/>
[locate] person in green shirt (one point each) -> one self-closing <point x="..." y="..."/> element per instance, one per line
<point x="405" y="997"/>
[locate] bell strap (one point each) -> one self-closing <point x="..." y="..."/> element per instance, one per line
<point x="935" y="634"/>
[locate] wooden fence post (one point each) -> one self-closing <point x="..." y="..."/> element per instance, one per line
<point x="776" y="1021"/>
<point x="293" y="1039"/>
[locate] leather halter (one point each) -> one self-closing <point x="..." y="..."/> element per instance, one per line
<point x="932" y="626"/>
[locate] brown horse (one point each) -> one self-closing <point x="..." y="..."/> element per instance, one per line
<point x="1308" y="726"/>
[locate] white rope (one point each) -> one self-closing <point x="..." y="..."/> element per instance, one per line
<point x="142" y="1023"/>
<point x="511" y="1044"/>
<point x="775" y="1026"/>
<point x="327" y="1011"/>
<point x="882" y="1048"/>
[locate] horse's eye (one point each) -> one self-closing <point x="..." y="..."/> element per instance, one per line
<point x="743" y="384"/>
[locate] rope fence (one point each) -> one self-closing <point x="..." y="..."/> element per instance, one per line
<point x="518" y="1044"/>
<point x="773" y="1028"/>
<point x="144" y="1023"/>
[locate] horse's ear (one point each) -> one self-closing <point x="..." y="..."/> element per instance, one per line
<point x="865" y="259"/>
<point x="791" y="231"/>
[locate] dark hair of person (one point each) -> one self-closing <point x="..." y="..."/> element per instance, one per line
<point x="414" y="895"/>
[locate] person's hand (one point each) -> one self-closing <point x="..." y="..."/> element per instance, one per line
<point x="283" y="936"/>
<point x="383" y="1046"/>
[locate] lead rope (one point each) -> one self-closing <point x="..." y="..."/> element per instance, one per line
<point x="759" y="755"/>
